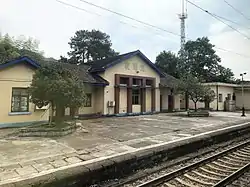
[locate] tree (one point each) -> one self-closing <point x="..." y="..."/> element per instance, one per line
<point x="208" y="97"/>
<point x="90" y="45"/>
<point x="7" y="49"/>
<point x="202" y="62"/>
<point x="28" y="47"/>
<point x="191" y="86"/>
<point x="169" y="63"/>
<point x="58" y="86"/>
<point x="11" y="48"/>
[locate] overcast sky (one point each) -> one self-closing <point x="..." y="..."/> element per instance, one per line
<point x="53" y="23"/>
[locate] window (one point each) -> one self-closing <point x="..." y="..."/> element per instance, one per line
<point x="123" y="81"/>
<point x="135" y="97"/>
<point x="88" y="100"/>
<point x="149" y="82"/>
<point x="229" y="96"/>
<point x="20" y="100"/>
<point x="220" y="98"/>
<point x="137" y="82"/>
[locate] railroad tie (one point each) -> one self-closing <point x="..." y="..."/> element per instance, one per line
<point x="169" y="185"/>
<point x="234" y="156"/>
<point x="244" y="152"/>
<point x="240" y="155"/>
<point x="212" y="173"/>
<point x="233" y="160"/>
<point x="219" y="169"/>
<point x="184" y="183"/>
<point x="197" y="180"/>
<point x="229" y="163"/>
<point x="224" y="166"/>
<point x="206" y="176"/>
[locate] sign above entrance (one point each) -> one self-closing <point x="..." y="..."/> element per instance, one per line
<point x="134" y="66"/>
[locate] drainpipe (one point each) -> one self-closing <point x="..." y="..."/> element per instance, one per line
<point x="217" y="90"/>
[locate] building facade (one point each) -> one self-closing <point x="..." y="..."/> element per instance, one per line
<point x="228" y="97"/>
<point x="128" y="84"/>
<point x="15" y="108"/>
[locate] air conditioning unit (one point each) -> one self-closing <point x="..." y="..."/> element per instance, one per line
<point x="42" y="108"/>
<point x="111" y="103"/>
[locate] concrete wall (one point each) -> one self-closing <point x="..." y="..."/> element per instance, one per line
<point x="144" y="71"/>
<point x="19" y="76"/>
<point x="246" y="99"/>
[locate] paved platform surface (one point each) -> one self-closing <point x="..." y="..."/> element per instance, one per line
<point x="22" y="157"/>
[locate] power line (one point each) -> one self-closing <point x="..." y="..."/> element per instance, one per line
<point x="73" y="6"/>
<point x="237" y="10"/>
<point x="122" y="22"/>
<point x="128" y="17"/>
<point x="216" y="17"/>
<point x="236" y="23"/>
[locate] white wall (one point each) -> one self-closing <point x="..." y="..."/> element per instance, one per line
<point x="239" y="100"/>
<point x="165" y="92"/>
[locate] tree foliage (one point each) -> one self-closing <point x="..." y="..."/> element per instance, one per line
<point x="89" y="45"/>
<point x="208" y="97"/>
<point x="7" y="49"/>
<point x="169" y="63"/>
<point x="11" y="47"/>
<point x="58" y="86"/>
<point x="193" y="88"/>
<point x="199" y="59"/>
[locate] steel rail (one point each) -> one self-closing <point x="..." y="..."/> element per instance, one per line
<point x="169" y="176"/>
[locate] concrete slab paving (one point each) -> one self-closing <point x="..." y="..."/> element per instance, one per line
<point x="105" y="137"/>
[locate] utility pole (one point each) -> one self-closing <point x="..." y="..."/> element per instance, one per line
<point x="242" y="93"/>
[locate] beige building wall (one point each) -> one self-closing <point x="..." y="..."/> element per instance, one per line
<point x="96" y="100"/>
<point x="177" y="103"/>
<point x="165" y="92"/>
<point x="19" y="76"/>
<point x="240" y="99"/>
<point x="134" y="64"/>
<point x="148" y="100"/>
<point x="123" y="100"/>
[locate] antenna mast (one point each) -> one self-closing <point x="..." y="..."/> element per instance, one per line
<point x="182" y="17"/>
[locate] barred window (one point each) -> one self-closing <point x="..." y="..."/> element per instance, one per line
<point x="20" y="100"/>
<point x="88" y="100"/>
<point x="135" y="97"/>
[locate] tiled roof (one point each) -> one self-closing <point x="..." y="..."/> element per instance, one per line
<point x="18" y="60"/>
<point x="102" y="65"/>
<point x="85" y="75"/>
<point x="169" y="81"/>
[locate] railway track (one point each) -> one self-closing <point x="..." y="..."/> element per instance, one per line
<point x="217" y="170"/>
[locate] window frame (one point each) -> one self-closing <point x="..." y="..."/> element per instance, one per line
<point x="20" y="100"/>
<point x="136" y="97"/>
<point x="88" y="95"/>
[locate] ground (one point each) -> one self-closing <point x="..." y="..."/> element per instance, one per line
<point x="101" y="137"/>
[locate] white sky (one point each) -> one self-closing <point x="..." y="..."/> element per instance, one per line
<point x="53" y="23"/>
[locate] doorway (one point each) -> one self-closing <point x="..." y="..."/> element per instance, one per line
<point x="170" y="103"/>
